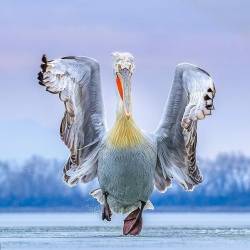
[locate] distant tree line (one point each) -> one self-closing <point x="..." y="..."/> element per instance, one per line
<point x="37" y="184"/>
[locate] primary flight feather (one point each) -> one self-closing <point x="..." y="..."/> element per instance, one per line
<point x="127" y="162"/>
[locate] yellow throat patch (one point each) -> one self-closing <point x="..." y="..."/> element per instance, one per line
<point x="125" y="133"/>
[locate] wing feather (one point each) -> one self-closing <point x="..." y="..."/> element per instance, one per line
<point x="77" y="81"/>
<point x="190" y="100"/>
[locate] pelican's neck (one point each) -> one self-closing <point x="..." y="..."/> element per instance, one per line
<point x="120" y="112"/>
<point x="125" y="133"/>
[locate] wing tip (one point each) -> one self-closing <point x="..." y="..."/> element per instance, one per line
<point x="44" y="58"/>
<point x="44" y="63"/>
<point x="43" y="67"/>
<point x="40" y="78"/>
<point x="186" y="65"/>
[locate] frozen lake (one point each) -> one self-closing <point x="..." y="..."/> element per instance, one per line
<point x="71" y="231"/>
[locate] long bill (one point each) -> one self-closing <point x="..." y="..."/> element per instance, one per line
<point x="123" y="87"/>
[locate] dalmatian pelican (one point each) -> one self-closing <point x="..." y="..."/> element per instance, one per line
<point x="128" y="162"/>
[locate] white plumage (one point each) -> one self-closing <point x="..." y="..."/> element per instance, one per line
<point x="125" y="154"/>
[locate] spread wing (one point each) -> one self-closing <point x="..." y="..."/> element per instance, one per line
<point x="77" y="81"/>
<point x="190" y="100"/>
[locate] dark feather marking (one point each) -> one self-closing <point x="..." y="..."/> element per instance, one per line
<point x="204" y="71"/>
<point x="52" y="92"/>
<point x="43" y="67"/>
<point x="40" y="76"/>
<point x="41" y="83"/>
<point x="206" y="98"/>
<point x="69" y="57"/>
<point x="44" y="59"/>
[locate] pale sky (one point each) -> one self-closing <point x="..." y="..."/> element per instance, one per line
<point x="215" y="35"/>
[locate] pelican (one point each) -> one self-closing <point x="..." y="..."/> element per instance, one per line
<point x="128" y="162"/>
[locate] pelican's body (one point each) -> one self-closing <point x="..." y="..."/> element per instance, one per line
<point x="126" y="170"/>
<point x="127" y="162"/>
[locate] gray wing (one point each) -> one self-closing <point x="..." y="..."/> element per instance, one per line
<point x="190" y="100"/>
<point x="77" y="81"/>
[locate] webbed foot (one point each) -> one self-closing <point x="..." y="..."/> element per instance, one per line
<point x="133" y="222"/>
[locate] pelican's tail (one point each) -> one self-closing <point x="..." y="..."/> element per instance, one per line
<point x="149" y="205"/>
<point x="99" y="196"/>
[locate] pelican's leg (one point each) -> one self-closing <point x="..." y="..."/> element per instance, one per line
<point x="133" y="222"/>
<point x="106" y="211"/>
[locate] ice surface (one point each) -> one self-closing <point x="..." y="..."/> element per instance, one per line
<point x="70" y="231"/>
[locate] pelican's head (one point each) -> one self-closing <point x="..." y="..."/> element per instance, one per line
<point x="123" y="65"/>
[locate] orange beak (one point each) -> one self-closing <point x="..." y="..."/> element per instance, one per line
<point x="119" y="86"/>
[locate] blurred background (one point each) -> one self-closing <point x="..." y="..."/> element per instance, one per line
<point x="212" y="34"/>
